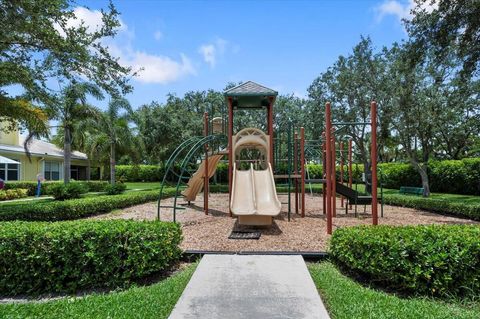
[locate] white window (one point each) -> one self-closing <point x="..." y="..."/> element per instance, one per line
<point x="51" y="171"/>
<point x="9" y="172"/>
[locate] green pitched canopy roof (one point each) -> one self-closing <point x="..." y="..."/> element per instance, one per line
<point x="250" y="95"/>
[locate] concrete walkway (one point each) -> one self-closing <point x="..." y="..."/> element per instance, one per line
<point x="239" y="286"/>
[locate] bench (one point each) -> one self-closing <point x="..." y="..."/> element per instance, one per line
<point x="411" y="190"/>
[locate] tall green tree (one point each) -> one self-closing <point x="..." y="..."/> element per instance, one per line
<point x="350" y="85"/>
<point x="82" y="139"/>
<point x="72" y="108"/>
<point x="442" y="24"/>
<point x="43" y="40"/>
<point x="415" y="112"/>
<point x="18" y="113"/>
<point x="162" y="127"/>
<point x="38" y="41"/>
<point x="113" y="127"/>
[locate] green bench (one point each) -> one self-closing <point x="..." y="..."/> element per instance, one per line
<point x="411" y="190"/>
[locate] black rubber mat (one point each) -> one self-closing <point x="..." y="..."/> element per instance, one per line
<point x="245" y="234"/>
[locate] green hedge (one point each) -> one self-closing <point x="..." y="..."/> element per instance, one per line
<point x="71" y="190"/>
<point x="442" y="206"/>
<point x="429" y="260"/>
<point x="92" y="186"/>
<point x="139" y="173"/>
<point x="115" y="189"/>
<point x="10" y="194"/>
<point x="68" y="256"/>
<point x="76" y="208"/>
<point x="455" y="177"/>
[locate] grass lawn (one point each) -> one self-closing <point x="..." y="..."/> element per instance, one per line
<point x="154" y="301"/>
<point x="345" y="298"/>
<point x="465" y="199"/>
<point x="143" y="186"/>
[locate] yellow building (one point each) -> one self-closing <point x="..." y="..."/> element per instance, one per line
<point x="46" y="159"/>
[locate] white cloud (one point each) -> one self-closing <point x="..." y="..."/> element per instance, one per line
<point x="155" y="68"/>
<point x="401" y="9"/>
<point x="212" y="51"/>
<point x="208" y="51"/>
<point x="158" y="35"/>
<point x="91" y="19"/>
<point x="395" y="8"/>
<point x="159" y="69"/>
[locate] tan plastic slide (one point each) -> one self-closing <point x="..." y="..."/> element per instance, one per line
<point x="195" y="183"/>
<point x="254" y="197"/>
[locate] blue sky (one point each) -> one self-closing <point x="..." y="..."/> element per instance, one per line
<point x="197" y="45"/>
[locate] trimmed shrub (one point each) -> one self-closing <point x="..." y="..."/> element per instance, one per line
<point x="116" y="189"/>
<point x="396" y="175"/>
<point x="68" y="191"/>
<point x="10" y="194"/>
<point x="68" y="256"/>
<point x="30" y="186"/>
<point x="95" y="186"/>
<point x="139" y="173"/>
<point x="77" y="208"/>
<point x="92" y="186"/>
<point x="442" y="206"/>
<point x="435" y="260"/>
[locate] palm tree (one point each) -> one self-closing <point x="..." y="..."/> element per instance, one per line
<point x="83" y="139"/>
<point x="113" y="126"/>
<point x="18" y="111"/>
<point x="71" y="109"/>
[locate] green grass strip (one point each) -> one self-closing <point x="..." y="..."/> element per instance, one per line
<point x="345" y="298"/>
<point x="154" y="301"/>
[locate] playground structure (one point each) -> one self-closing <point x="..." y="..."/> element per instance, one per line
<point x="258" y="163"/>
<point x="253" y="193"/>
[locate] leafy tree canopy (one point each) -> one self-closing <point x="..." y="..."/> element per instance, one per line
<point x="441" y="24"/>
<point x="38" y="42"/>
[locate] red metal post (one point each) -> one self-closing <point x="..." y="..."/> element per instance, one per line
<point x="230" y="151"/>
<point x="324" y="174"/>
<point x="350" y="172"/>
<point x="295" y="168"/>
<point x="334" y="175"/>
<point x="328" y="143"/>
<point x="341" y="169"/>
<point x="302" y="168"/>
<point x="373" y="116"/>
<point x="205" y="176"/>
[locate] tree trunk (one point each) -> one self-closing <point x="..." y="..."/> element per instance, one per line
<point x="112" y="163"/>
<point x="88" y="170"/>
<point x="422" y="170"/>
<point x="67" y="155"/>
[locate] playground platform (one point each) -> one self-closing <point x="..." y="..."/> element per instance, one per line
<point x="259" y="286"/>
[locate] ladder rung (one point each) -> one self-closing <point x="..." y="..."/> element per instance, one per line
<point x="178" y="207"/>
<point x="286" y="176"/>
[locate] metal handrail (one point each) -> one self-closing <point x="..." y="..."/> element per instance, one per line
<point x="197" y="146"/>
<point x="169" y="164"/>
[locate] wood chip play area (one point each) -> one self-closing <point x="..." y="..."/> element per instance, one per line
<point x="211" y="232"/>
<point x="252" y="216"/>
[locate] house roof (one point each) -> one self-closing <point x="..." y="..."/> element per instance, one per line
<point x="41" y="148"/>
<point x="4" y="160"/>
<point x="250" y="95"/>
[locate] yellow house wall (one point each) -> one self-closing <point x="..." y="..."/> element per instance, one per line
<point x="30" y="169"/>
<point x="9" y="138"/>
